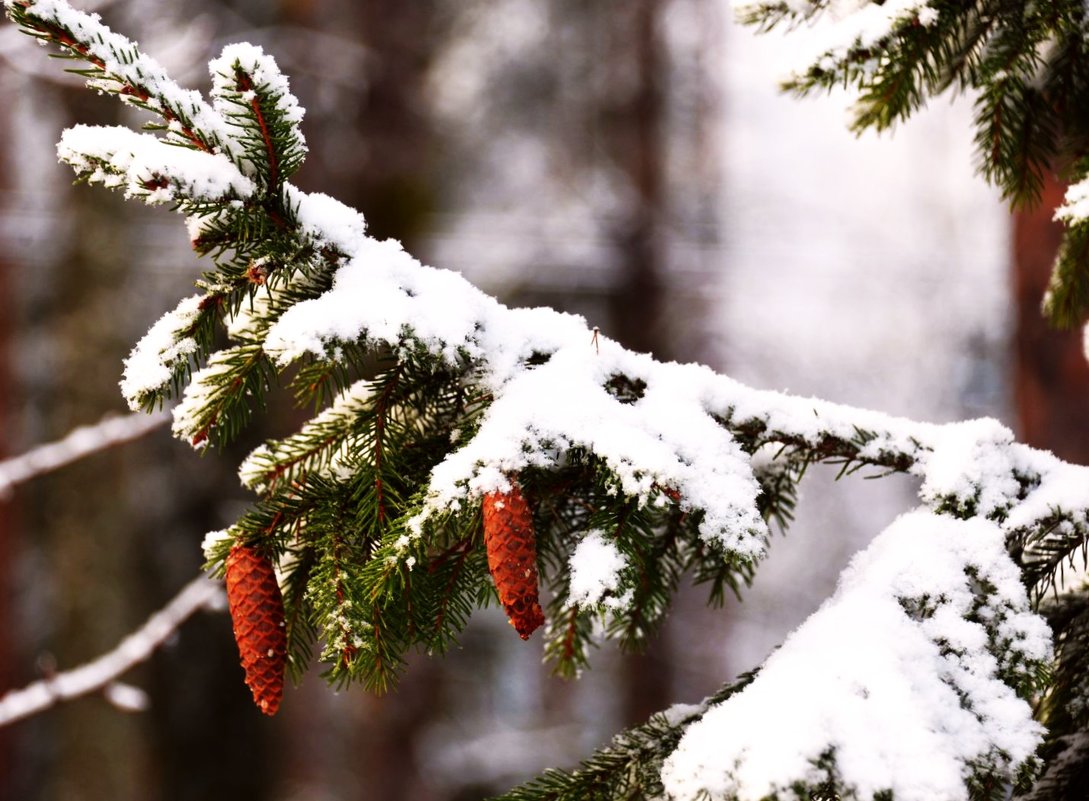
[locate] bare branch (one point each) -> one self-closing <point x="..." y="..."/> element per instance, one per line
<point x="200" y="593"/>
<point x="75" y="445"/>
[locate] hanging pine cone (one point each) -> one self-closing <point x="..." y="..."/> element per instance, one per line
<point x="512" y="557"/>
<point x="257" y="612"/>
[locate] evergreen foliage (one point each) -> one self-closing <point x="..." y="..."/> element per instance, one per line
<point x="1025" y="64"/>
<point x="428" y="395"/>
<point x="1063" y="709"/>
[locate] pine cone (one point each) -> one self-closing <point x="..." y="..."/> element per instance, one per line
<point x="512" y="557"/>
<point x="257" y="612"/>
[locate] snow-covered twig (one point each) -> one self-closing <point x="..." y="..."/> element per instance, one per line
<point x="76" y="444"/>
<point x="14" y="48"/>
<point x="200" y="593"/>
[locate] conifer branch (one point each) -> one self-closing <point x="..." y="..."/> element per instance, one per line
<point x="119" y="68"/>
<point x="633" y="472"/>
<point x="1062" y="708"/>
<point x="344" y="637"/>
<point x="459" y="551"/>
<point x="252" y="94"/>
<point x="149" y="168"/>
<point x="246" y="86"/>
<point x="381" y="410"/>
<point x="221" y="396"/>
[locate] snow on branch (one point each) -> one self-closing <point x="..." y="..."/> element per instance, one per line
<point x="75" y="445"/>
<point x="200" y="593"/>
<point x="680" y="426"/>
<point x="251" y="93"/>
<point x="149" y="168"/>
<point x="1075" y="206"/>
<point x="928" y="647"/>
<point x="118" y="67"/>
<point x="161" y="353"/>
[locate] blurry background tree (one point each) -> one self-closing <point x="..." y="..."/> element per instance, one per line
<point x="629" y="161"/>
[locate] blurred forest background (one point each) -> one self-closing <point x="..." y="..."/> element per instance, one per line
<point x="629" y="161"/>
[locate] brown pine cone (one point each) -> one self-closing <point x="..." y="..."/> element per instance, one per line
<point x="512" y="557"/>
<point x="257" y="613"/>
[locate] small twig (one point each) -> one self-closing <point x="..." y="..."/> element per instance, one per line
<point x="75" y="445"/>
<point x="200" y="593"/>
<point x="569" y="634"/>
<point x="380" y="411"/>
<point x="441" y="616"/>
<point x="245" y="84"/>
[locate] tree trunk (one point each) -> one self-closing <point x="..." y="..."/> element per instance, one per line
<point x="9" y="530"/>
<point x="1051" y="373"/>
<point x="635" y="120"/>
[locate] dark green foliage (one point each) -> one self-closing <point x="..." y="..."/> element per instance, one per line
<point x="246" y="375"/>
<point x="1025" y="64"/>
<point x="660" y="544"/>
<point x="1068" y="290"/>
<point x="1064" y="708"/>
<point x="1047" y="550"/>
<point x="337" y="498"/>
<point x="263" y="113"/>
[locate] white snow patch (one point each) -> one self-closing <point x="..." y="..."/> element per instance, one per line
<point x="973" y="464"/>
<point x="896" y="670"/>
<point x="1075" y="207"/>
<point x="126" y="697"/>
<point x="328" y="220"/>
<point x="213" y="540"/>
<point x="148" y="168"/>
<point x="596" y="565"/>
<point x="168" y="343"/>
<point x="263" y="71"/>
<point x="201" y="391"/>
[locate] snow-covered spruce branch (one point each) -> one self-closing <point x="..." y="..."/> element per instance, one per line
<point x="116" y="66"/>
<point x="462" y="441"/>
<point x="200" y="593"/>
<point x="877" y="695"/>
<point x="75" y="445"/>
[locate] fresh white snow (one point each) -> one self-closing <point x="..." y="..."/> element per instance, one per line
<point x="149" y="168"/>
<point x="262" y="70"/>
<point x="596" y="565"/>
<point x="167" y="344"/>
<point x="896" y="673"/>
